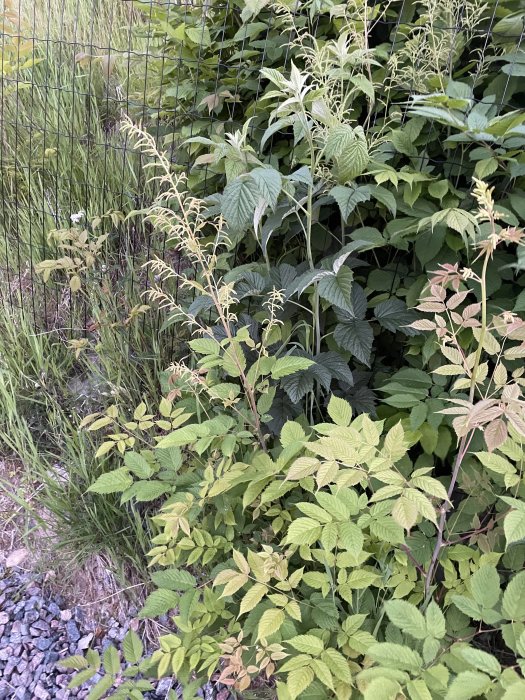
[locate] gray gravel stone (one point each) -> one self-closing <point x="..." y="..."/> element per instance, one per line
<point x="72" y="631"/>
<point x="54" y="609"/>
<point x="36" y="631"/>
<point x="43" y="643"/>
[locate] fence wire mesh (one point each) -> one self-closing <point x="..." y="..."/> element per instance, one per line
<point x="71" y="69"/>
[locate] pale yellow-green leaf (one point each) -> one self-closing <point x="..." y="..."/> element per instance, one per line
<point x="418" y="690"/>
<point x="112" y="482"/>
<point x="165" y="407"/>
<point x="495" y="463"/>
<point x="100" y="423"/>
<point x="293" y="609"/>
<point x="514" y="598"/>
<point x="481" y="660"/>
<point x="362" y="578"/>
<point x="452" y="354"/>
<point x="500" y="375"/>
<point x="326" y="473"/>
<point x="299" y="680"/>
<point x="435" y="620"/>
<point x="449" y="370"/>
<point x="461" y="384"/>
<point x="271" y="622"/>
<point x="304" y="466"/>
<point x="234" y="584"/>
<point x="339" y="411"/>
<point x="396" y="656"/>
<point x="514" y="526"/>
<point x="241" y="562"/>
<point x="252" y="598"/>
<point x="424" y="505"/>
<point x="132" y="647"/>
<point x="407" y="618"/>
<point x="74" y="283"/>
<point x="468" y="684"/>
<point x="490" y="344"/>
<point x="323" y="673"/>
<point x="337" y="664"/>
<point x="289" y="365"/>
<point x="431" y="486"/>
<point x="515" y="692"/>
<point x="395" y="446"/>
<point x="234" y="360"/>
<point x="405" y="513"/>
<point x="382" y="688"/>
<point x="307" y="644"/>
<point x="304" y="531"/>
<point x="371" y="431"/>
<point x="104" y="448"/>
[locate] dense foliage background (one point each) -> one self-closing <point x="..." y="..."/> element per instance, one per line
<point x="329" y="470"/>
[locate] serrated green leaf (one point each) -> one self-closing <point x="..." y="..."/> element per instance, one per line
<point x="382" y="688"/>
<point x="132" y="647"/>
<point x="396" y="656"/>
<point x="495" y="463"/>
<point x="393" y="315"/>
<point x="514" y="526"/>
<point x="351" y="538"/>
<point x="323" y="673"/>
<point x="112" y="482"/>
<point x="252" y="598"/>
<point x="299" y="680"/>
<point x="271" y="622"/>
<point x="145" y="491"/>
<point x="174" y="579"/>
<point x="337" y="288"/>
<point x="205" y="346"/>
<point x="484" y="584"/>
<point x="81" y="678"/>
<point x="481" y="660"/>
<point x="435" y="621"/>
<point x="111" y="660"/>
<point x="467" y="606"/>
<point x="405" y="513"/>
<point x="138" y="465"/>
<point x="307" y="644"/>
<point x="75" y="662"/>
<point x="304" y="531"/>
<point x="387" y="530"/>
<point x="238" y="202"/>
<point x="269" y="183"/>
<point x="349" y="197"/>
<point x="337" y="664"/>
<point x="99" y="689"/>
<point x="418" y="690"/>
<point x="352" y="160"/>
<point x="514" y="598"/>
<point x="180" y="437"/>
<point x="159" y="602"/>
<point x="468" y="684"/>
<point x="407" y="618"/>
<point x="290" y="364"/>
<point x="339" y="411"/>
<point x="357" y="337"/>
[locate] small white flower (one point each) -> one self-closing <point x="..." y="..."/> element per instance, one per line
<point x="76" y="218"/>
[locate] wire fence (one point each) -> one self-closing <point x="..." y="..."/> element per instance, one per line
<point x="71" y="69"/>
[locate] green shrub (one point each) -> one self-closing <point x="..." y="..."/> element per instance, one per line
<point x="314" y="557"/>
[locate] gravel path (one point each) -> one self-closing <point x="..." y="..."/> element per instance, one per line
<point x="36" y="631"/>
